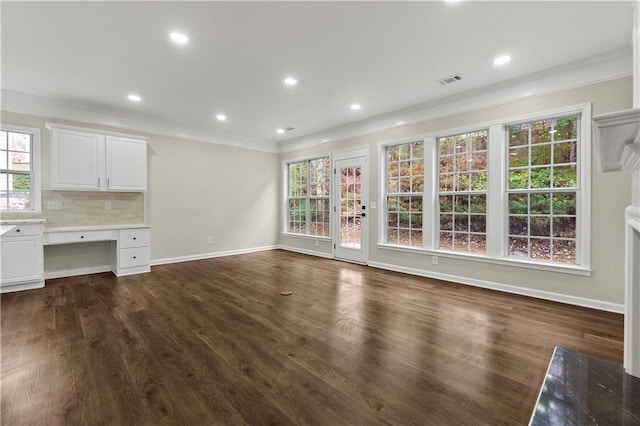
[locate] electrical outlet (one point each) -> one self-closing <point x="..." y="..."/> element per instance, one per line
<point x="209" y="240"/>
<point x="434" y="260"/>
<point x="317" y="243"/>
<point x="107" y="205"/>
<point x="54" y="205"/>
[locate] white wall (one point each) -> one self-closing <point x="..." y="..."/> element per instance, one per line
<point x="610" y="195"/>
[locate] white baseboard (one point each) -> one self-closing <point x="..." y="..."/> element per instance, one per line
<point x="20" y="287"/>
<point x="165" y="261"/>
<point x="75" y="272"/>
<point x="539" y="294"/>
<point x="305" y="251"/>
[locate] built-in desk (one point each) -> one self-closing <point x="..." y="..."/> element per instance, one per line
<point x="130" y="244"/>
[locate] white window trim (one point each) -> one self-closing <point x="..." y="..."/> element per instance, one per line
<point x="36" y="168"/>
<point x="497" y="204"/>
<point x="285" y="196"/>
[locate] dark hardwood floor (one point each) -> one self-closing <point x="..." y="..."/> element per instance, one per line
<point x="213" y="342"/>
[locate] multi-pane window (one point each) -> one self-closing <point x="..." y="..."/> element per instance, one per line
<point x="308" y="197"/>
<point x="543" y="189"/>
<point x="16" y="171"/>
<point x="510" y="191"/>
<point x="463" y="192"/>
<point x="404" y="193"/>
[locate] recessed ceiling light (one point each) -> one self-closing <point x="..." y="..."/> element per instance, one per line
<point x="221" y="117"/>
<point x="134" y="98"/>
<point x="501" y="60"/>
<point x="179" y="38"/>
<point x="326" y="140"/>
<point x="280" y="131"/>
<point x="290" y="81"/>
<point x="355" y="107"/>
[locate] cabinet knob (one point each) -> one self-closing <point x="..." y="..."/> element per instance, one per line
<point x="17" y="230"/>
<point x="134" y="238"/>
<point x="134" y="257"/>
<point x="81" y="236"/>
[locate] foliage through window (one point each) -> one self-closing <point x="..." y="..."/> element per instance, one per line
<point x="463" y="192"/>
<point x="16" y="171"/>
<point x="543" y="189"/>
<point x="308" y="200"/>
<point x="404" y="193"/>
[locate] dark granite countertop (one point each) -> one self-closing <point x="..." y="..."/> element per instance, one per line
<point x="580" y="389"/>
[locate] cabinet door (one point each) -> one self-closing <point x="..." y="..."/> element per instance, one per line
<point x="21" y="260"/>
<point x="77" y="160"/>
<point x="126" y="164"/>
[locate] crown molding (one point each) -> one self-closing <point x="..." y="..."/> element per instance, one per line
<point x="124" y="119"/>
<point x="597" y="69"/>
<point x="593" y="70"/>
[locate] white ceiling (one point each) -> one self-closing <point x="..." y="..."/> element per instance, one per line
<point x="385" y="56"/>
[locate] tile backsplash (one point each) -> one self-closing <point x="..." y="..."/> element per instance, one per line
<point x="88" y="208"/>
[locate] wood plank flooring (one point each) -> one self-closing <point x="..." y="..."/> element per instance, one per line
<point x="213" y="342"/>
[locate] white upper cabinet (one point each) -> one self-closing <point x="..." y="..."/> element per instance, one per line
<point x="77" y="160"/>
<point x="126" y="164"/>
<point x="92" y="160"/>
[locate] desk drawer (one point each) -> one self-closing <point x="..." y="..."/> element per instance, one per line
<point x="23" y="230"/>
<point x="137" y="256"/>
<point x="133" y="238"/>
<point x="78" y="237"/>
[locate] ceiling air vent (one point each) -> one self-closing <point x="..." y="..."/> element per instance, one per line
<point x="450" y="79"/>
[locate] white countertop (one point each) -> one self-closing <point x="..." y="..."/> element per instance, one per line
<point x="96" y="227"/>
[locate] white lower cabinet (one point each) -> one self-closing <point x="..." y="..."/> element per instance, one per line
<point x="132" y="252"/>
<point x="22" y="257"/>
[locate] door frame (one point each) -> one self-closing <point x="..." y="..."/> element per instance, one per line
<point x="347" y="154"/>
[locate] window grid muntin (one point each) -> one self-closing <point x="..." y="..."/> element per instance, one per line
<point x="551" y="190"/>
<point x="413" y="233"/>
<point x="467" y="236"/>
<point x="302" y="215"/>
<point x="8" y="173"/>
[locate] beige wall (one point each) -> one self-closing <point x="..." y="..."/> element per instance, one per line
<point x="195" y="190"/>
<point x="610" y="196"/>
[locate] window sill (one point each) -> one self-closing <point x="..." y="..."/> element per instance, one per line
<point x="5" y="212"/>
<point x="516" y="263"/>
<point x="306" y="237"/>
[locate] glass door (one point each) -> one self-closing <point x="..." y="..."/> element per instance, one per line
<point x="351" y="214"/>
